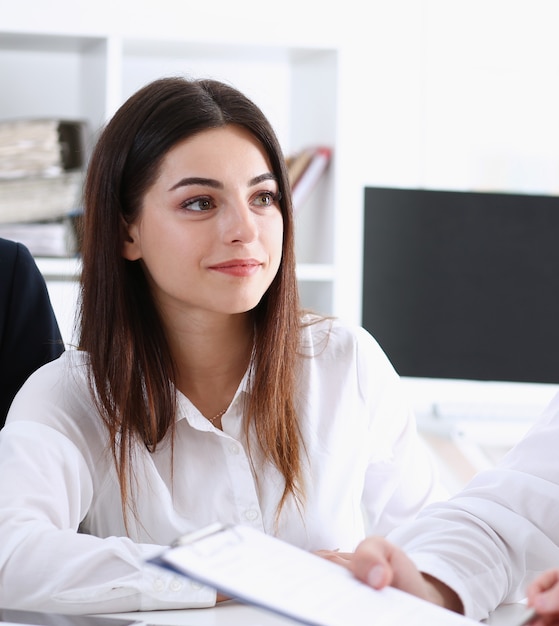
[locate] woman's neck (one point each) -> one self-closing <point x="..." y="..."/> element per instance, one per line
<point x="211" y="358"/>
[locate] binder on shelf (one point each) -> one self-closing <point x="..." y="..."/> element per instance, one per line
<point x="41" y="177"/>
<point x="52" y="238"/>
<point x="297" y="164"/>
<point x="37" y="198"/>
<point x="42" y="212"/>
<point x="305" y="170"/>
<point x="255" y="568"/>
<point x="41" y="147"/>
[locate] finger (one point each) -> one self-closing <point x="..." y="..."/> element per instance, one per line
<point x="544" y="589"/>
<point x="341" y="558"/>
<point x="546" y="580"/>
<point x="371" y="562"/>
<point x="379" y="563"/>
<point x="545" y="620"/>
<point x="338" y="559"/>
<point x="547" y="602"/>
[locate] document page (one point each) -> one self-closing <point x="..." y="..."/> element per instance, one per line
<point x="261" y="570"/>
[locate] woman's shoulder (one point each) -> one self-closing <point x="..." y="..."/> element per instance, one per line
<point x="319" y="329"/>
<point x="55" y="407"/>
<point x="71" y="361"/>
<point x="338" y="351"/>
<point x="56" y="388"/>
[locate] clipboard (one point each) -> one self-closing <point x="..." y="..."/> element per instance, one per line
<point x="261" y="570"/>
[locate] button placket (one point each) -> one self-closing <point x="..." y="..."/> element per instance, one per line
<point x="251" y="515"/>
<point x="242" y="481"/>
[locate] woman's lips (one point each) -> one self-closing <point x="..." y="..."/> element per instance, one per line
<point x="238" y="267"/>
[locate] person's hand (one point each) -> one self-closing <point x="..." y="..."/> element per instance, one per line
<point x="335" y="556"/>
<point x="379" y="563"/>
<point x="543" y="596"/>
<point x="221" y="598"/>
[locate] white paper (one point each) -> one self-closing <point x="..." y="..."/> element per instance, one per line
<point x="258" y="569"/>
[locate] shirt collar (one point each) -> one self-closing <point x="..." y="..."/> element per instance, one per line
<point x="186" y="409"/>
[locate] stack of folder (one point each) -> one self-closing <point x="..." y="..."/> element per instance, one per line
<point x="41" y="177"/>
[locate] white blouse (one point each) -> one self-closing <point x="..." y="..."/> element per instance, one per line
<point x="63" y="541"/>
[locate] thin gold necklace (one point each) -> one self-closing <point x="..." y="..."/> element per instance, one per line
<point x="216" y="417"/>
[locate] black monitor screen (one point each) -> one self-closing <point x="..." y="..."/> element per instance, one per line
<point x="463" y="285"/>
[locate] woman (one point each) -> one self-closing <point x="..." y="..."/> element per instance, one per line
<point x="200" y="392"/>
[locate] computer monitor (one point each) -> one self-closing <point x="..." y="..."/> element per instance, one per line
<point x="463" y="285"/>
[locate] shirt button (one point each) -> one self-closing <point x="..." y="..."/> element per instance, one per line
<point x="176" y="585"/>
<point x="251" y="515"/>
<point x="234" y="448"/>
<point x="158" y="584"/>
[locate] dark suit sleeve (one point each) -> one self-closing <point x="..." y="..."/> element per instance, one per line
<point x="29" y="332"/>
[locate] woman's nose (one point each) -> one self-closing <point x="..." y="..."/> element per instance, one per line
<point x="239" y="222"/>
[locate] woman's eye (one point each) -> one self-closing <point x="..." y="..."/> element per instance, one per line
<point x="266" y="198"/>
<point x="198" y="204"/>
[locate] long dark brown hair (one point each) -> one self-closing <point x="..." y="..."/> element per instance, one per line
<point x="131" y="368"/>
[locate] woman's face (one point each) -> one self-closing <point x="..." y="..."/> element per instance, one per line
<point x="209" y="232"/>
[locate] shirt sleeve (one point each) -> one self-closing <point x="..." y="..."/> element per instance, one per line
<point x="496" y="535"/>
<point x="45" y="564"/>
<point x="402" y="476"/>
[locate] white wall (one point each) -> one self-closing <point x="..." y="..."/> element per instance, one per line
<point x="462" y="95"/>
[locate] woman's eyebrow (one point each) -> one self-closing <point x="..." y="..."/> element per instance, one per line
<point x="258" y="179"/>
<point x="197" y="180"/>
<point x="215" y="184"/>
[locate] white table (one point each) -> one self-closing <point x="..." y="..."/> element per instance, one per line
<point x="235" y="614"/>
<point x="224" y="614"/>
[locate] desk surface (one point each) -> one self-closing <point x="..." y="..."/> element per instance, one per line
<point x="223" y="614"/>
<point x="235" y="614"/>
